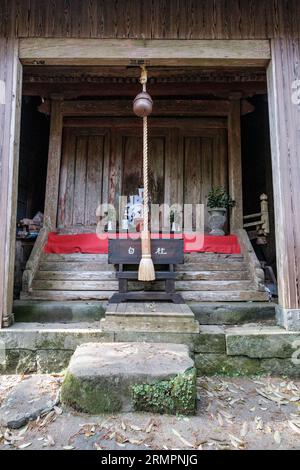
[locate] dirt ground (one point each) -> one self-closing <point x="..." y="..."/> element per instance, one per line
<point x="233" y="413"/>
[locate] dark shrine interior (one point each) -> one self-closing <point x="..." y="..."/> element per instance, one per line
<point x="115" y="83"/>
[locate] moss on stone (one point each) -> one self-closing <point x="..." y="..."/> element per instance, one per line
<point x="85" y="397"/>
<point x="214" y="364"/>
<point x="174" y="396"/>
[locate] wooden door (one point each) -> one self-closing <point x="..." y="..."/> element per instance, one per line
<point x="102" y="160"/>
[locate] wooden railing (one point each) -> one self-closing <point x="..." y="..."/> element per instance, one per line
<point x="256" y="271"/>
<point x="262" y="218"/>
<point x="33" y="262"/>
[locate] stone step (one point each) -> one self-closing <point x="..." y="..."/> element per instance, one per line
<point x="47" y="311"/>
<point x="114" y="377"/>
<point x="144" y="317"/>
<point x="206" y="313"/>
<point x="251" y="349"/>
<point x="233" y="313"/>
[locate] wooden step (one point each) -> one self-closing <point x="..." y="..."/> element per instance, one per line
<point x="189" y="258"/>
<point x="213" y="285"/>
<point x="221" y="265"/>
<point x="98" y="285"/>
<point x="203" y="257"/>
<point x="79" y="266"/>
<point x="225" y="296"/>
<point x="192" y="296"/>
<point x="107" y="275"/>
<point x="74" y="285"/>
<point x="75" y="257"/>
<point x="66" y="295"/>
<point x="76" y="275"/>
<point x="213" y="276"/>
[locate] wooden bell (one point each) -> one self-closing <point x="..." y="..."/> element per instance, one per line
<point x="143" y="104"/>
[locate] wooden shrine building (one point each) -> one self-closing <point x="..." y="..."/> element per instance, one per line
<point x="225" y="79"/>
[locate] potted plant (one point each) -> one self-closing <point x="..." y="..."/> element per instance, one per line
<point x="218" y="202"/>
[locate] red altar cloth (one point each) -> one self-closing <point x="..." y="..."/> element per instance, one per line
<point x="89" y="243"/>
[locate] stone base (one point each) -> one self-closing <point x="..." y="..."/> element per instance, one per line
<point x="113" y="377"/>
<point x="245" y="349"/>
<point x="29" y="399"/>
<point x="149" y="317"/>
<point x="288" y="318"/>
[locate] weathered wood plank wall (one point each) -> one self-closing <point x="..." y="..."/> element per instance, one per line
<point x="10" y="105"/>
<point x="165" y="19"/>
<point x="284" y="101"/>
<point x="187" y="159"/>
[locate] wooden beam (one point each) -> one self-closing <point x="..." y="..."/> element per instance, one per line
<point x="179" y="108"/>
<point x="10" y="111"/>
<point x="90" y="123"/>
<point x="73" y="90"/>
<point x="54" y="158"/>
<point x="218" y="53"/>
<point x="235" y="162"/>
<point x="284" y="111"/>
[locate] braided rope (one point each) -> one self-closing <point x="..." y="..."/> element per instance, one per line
<point x="145" y="172"/>
<point x="143" y="81"/>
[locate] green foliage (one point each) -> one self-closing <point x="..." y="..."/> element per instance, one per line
<point x="218" y="197"/>
<point x="174" y="396"/>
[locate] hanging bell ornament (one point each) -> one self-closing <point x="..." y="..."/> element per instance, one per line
<point x="143" y="104"/>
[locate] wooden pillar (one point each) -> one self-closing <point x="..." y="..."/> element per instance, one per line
<point x="235" y="162"/>
<point x="284" y="110"/>
<point x="54" y="159"/>
<point x="10" y="108"/>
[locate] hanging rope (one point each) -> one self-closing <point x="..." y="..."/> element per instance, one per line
<point x="145" y="173"/>
<point x="143" y="107"/>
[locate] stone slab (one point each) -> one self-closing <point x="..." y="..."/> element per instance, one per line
<point x="29" y="399"/>
<point x="232" y="313"/>
<point x="58" y="312"/>
<point x="288" y="318"/>
<point x="152" y="317"/>
<point x="211" y="339"/>
<point x="51" y="336"/>
<point x="100" y="376"/>
<point x="222" y="364"/>
<point x="262" y="342"/>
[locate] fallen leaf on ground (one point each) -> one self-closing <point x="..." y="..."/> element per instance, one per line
<point x="183" y="440"/>
<point x="135" y="428"/>
<point x="23" y="446"/>
<point x="244" y="429"/>
<point x="277" y="437"/>
<point x="294" y="426"/>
